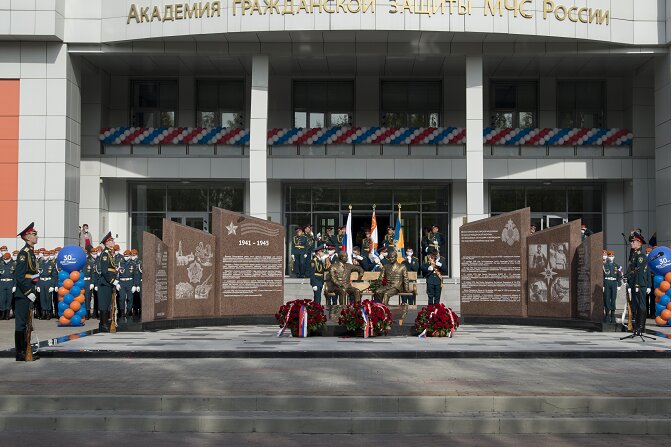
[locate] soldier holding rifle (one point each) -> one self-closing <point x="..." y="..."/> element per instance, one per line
<point x="25" y="276"/>
<point x="108" y="282"/>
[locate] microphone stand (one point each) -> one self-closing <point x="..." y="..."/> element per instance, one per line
<point x="627" y="294"/>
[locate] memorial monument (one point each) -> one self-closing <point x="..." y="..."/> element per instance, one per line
<point x="551" y="278"/>
<point x="589" y="299"/>
<point x="237" y="271"/>
<point x="493" y="265"/>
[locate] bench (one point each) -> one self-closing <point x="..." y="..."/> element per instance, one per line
<point x="364" y="284"/>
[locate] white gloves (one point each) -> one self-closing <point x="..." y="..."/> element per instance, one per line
<point x="314" y="288"/>
<point x="438" y="264"/>
<point x="116" y="285"/>
<point x="602" y="289"/>
<point x="292" y="257"/>
<point x="618" y="289"/>
<point x="318" y="235"/>
<point x="31" y="296"/>
<point x="13" y="289"/>
<point x="137" y="289"/>
<point x="38" y="289"/>
<point x="409" y="258"/>
<point x="648" y="290"/>
<point x="305" y="256"/>
<point x="430" y="268"/>
<point x="96" y="288"/>
<point x="91" y="286"/>
<point x="51" y="289"/>
<point x="359" y="258"/>
<point x="133" y="289"/>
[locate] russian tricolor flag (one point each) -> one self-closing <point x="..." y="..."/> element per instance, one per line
<point x="373" y="248"/>
<point x="303" y="322"/>
<point x="347" y="240"/>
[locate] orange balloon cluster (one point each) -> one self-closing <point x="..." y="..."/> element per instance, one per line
<point x="76" y="304"/>
<point x="661" y="290"/>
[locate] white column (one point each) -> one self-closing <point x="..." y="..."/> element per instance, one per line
<point x="258" y="130"/>
<point x="474" y="78"/>
<point x="662" y="165"/>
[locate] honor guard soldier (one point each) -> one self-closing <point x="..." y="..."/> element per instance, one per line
<point x="366" y="243"/>
<point x="45" y="268"/>
<point x="317" y="271"/>
<point x="95" y="279"/>
<point x="25" y="276"/>
<point x="6" y="285"/>
<point x="388" y="240"/>
<point x="117" y="253"/>
<point x="436" y="239"/>
<point x="310" y="239"/>
<point x="411" y="262"/>
<point x="639" y="281"/>
<point x="340" y="237"/>
<point x="585" y="232"/>
<point x="108" y="282"/>
<point x="613" y="278"/>
<point x="53" y="287"/>
<point x="137" y="294"/>
<point x="89" y="269"/>
<point x="434" y="269"/>
<point x="126" y="269"/>
<point x="299" y="253"/>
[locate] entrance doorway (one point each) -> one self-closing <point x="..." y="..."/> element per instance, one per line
<point x="200" y="221"/>
<point x="544" y="221"/>
<point x="362" y="222"/>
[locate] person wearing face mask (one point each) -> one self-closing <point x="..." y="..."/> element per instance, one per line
<point x="137" y="282"/>
<point x="126" y="277"/>
<point x="3" y="250"/>
<point x="6" y="285"/>
<point x="317" y="271"/>
<point x="604" y="256"/>
<point x="612" y="282"/>
<point x="85" y="239"/>
<point x="411" y="263"/>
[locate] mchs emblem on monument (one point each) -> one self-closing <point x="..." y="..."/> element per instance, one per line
<point x="510" y="233"/>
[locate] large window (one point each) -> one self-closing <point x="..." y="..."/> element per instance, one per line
<point x="154" y="103"/>
<point x="327" y="205"/>
<point x="190" y="204"/>
<point x="323" y="103"/>
<point x="410" y="103"/>
<point x="513" y="104"/>
<point x="551" y="203"/>
<point x="220" y="103"/>
<point x="580" y="103"/>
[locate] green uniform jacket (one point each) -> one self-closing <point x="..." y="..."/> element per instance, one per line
<point x="26" y="268"/>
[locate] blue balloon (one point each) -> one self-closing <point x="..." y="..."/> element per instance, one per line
<point x="76" y="320"/>
<point x="63" y="275"/>
<point x="80" y="283"/>
<point x="657" y="280"/>
<point x="75" y="291"/>
<point x="60" y="284"/>
<point x="668" y="291"/>
<point x="61" y="307"/>
<point x="659" y="309"/>
<point x="68" y="298"/>
<point x="659" y="263"/>
<point x="664" y="300"/>
<point x="71" y="258"/>
<point x="81" y="312"/>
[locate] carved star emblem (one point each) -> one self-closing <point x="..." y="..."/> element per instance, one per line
<point x="548" y="274"/>
<point x="231" y="228"/>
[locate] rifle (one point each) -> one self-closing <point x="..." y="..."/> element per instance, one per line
<point x="29" y="333"/>
<point x="629" y="307"/>
<point x="113" y="316"/>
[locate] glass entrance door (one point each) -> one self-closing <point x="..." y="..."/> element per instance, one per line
<point x="543" y="221"/>
<point x="200" y="221"/>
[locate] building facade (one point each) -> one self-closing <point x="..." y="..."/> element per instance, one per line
<point x="122" y="113"/>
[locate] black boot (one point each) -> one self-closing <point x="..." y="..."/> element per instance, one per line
<point x="605" y="319"/>
<point x="103" y="325"/>
<point x="5" y="315"/>
<point x="612" y="319"/>
<point x="88" y="315"/>
<point x="19" y="345"/>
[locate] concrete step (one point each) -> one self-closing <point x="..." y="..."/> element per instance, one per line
<point x="421" y="405"/>
<point x="333" y="422"/>
<point x="338" y="414"/>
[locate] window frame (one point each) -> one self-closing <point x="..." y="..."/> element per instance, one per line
<point x="516" y="110"/>
<point x="408" y="112"/>
<point x="220" y="110"/>
<point x="157" y="118"/>
<point x="603" y="105"/>
<point x="328" y="112"/>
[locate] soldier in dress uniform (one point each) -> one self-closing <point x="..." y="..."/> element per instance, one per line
<point x="366" y="243"/>
<point x="137" y="294"/>
<point x="388" y="240"/>
<point x="310" y="239"/>
<point x="436" y="239"/>
<point x="411" y="262"/>
<point x="424" y="243"/>
<point x="108" y="282"/>
<point x="6" y="285"/>
<point x="15" y="254"/>
<point x="340" y="237"/>
<point x="89" y="269"/>
<point x="25" y="276"/>
<point x="3" y="250"/>
<point x="328" y="238"/>
<point x="383" y="256"/>
<point x="298" y="253"/>
<point x="45" y="267"/>
<point x="53" y="287"/>
<point x="585" y="232"/>
<point x="126" y="269"/>
<point x="613" y="278"/>
<point x="95" y="279"/>
<point x="434" y="270"/>
<point x="363" y="261"/>
<point x="651" y="296"/>
<point x="639" y="281"/>
<point x="117" y="253"/>
<point x="317" y="271"/>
